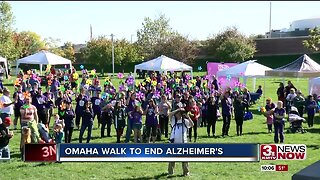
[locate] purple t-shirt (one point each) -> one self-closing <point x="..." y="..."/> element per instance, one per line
<point x="96" y="104"/>
<point x="136" y="118"/>
<point x="151" y="118"/>
<point x="80" y="104"/>
<point x="280" y="112"/>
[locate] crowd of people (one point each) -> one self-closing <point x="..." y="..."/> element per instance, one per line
<point x="75" y="101"/>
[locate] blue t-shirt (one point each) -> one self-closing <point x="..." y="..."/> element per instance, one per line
<point x="311" y="107"/>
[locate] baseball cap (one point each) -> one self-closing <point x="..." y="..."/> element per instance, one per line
<point x="7" y="120"/>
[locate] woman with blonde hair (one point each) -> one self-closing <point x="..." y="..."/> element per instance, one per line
<point x="278" y="122"/>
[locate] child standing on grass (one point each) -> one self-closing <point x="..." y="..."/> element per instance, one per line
<point x="58" y="133"/>
<point x="311" y="106"/>
<point x="278" y="122"/>
<point x="270" y="106"/>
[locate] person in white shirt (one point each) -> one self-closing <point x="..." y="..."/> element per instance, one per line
<point x="180" y="123"/>
<point x="7" y="104"/>
<point x="290" y="98"/>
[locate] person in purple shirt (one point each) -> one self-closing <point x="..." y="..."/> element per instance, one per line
<point x="96" y="101"/>
<point x="226" y="104"/>
<point x="311" y="106"/>
<point x="151" y="112"/>
<point x="40" y="104"/>
<point x="278" y="122"/>
<point x="81" y="100"/>
<point x="55" y="84"/>
<point x="136" y="116"/>
<point x="17" y="105"/>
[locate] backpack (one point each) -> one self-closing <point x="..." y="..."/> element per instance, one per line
<point x="248" y="116"/>
<point x="173" y="130"/>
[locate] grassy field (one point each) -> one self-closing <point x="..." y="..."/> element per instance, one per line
<point x="255" y="131"/>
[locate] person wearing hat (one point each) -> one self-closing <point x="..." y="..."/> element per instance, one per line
<point x="299" y="103"/>
<point x="180" y="123"/>
<point x="5" y="136"/>
<point x="7" y="104"/>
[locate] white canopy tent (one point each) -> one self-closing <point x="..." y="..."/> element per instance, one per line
<point x="314" y="86"/>
<point x="248" y="69"/>
<point x="5" y="62"/>
<point x="163" y="64"/>
<point x="43" y="58"/>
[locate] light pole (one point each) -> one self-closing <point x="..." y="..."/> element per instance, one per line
<point x="112" y="55"/>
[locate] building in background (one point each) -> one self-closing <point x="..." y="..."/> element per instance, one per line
<point x="298" y="28"/>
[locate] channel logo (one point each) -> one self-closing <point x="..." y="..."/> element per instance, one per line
<point x="283" y="152"/>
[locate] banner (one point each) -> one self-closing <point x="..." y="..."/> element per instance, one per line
<point x="224" y="82"/>
<point x="158" y="152"/>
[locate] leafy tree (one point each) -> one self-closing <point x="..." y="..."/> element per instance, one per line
<point x="52" y="45"/>
<point x="99" y="51"/>
<point x="235" y="50"/>
<point x="153" y="32"/>
<point x="230" y="46"/>
<point x="27" y="43"/>
<point x="68" y="51"/>
<point x="178" y="47"/>
<point x="313" y="43"/>
<point x="7" y="49"/>
<point x="126" y="52"/>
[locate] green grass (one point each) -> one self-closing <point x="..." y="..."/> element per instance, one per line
<point x="254" y="132"/>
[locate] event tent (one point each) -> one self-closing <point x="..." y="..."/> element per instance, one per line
<point x="43" y="58"/>
<point x="162" y="64"/>
<point x="248" y="69"/>
<point x="304" y="66"/>
<point x="314" y="86"/>
<point x="5" y="62"/>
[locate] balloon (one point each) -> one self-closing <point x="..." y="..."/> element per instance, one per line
<point x="199" y="68"/>
<point x="81" y="67"/>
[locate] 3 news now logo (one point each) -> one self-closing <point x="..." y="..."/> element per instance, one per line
<point x="283" y="152"/>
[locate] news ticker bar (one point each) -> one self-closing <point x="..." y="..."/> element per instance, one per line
<point x="163" y="152"/>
